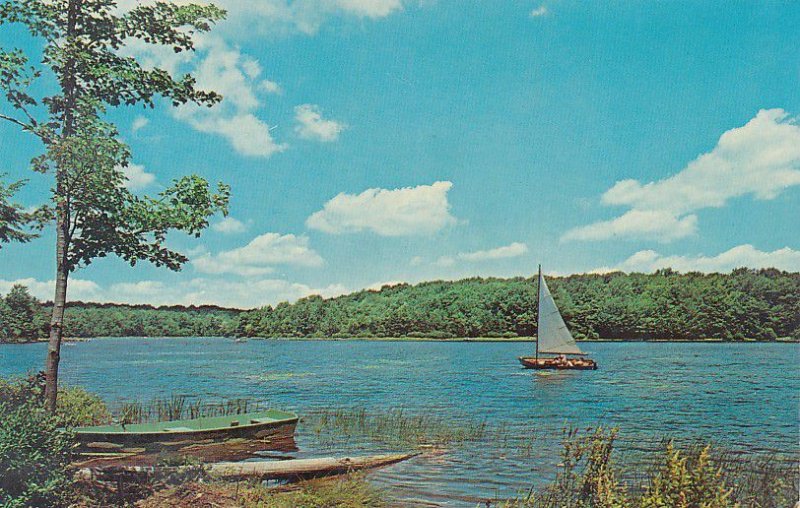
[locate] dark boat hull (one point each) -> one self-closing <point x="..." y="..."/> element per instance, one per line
<point x="553" y="364"/>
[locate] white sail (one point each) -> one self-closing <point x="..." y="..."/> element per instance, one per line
<point x="554" y="336"/>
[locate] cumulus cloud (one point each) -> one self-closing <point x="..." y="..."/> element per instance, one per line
<point x="139" y="123"/>
<point x="760" y="159"/>
<point x="137" y="177"/>
<point x="741" y="256"/>
<point x="238" y="78"/>
<point x="197" y="291"/>
<point x="421" y="210"/>
<point x="229" y="226"/>
<point x="219" y="65"/>
<point x="311" y="125"/>
<point x="260" y="256"/>
<point x="539" y="11"/>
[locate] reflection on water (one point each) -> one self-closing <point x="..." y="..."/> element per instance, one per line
<point x="741" y="396"/>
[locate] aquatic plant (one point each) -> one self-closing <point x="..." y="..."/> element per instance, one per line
<point x="179" y="407"/>
<point x="394" y="427"/>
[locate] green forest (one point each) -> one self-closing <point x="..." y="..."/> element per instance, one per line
<point x="745" y="304"/>
<point x="23" y="318"/>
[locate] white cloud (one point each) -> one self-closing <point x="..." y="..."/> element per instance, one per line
<point x="421" y="210"/>
<point x="229" y="226"/>
<point x="220" y="66"/>
<point x="237" y="77"/>
<point x="139" y="123"/>
<point x="260" y="255"/>
<point x="311" y="125"/>
<point x="742" y="256"/>
<point x="137" y="177"/>
<point x="513" y="250"/>
<point x="650" y="224"/>
<point x="539" y="11"/>
<point x="761" y="159"/>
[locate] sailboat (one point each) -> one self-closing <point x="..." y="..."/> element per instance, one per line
<point x="554" y="338"/>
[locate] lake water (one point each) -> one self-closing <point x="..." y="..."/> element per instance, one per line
<point x="743" y="397"/>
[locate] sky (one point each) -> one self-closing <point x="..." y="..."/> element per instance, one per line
<point x="370" y="142"/>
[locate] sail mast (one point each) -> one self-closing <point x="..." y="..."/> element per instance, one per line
<point x="538" y="310"/>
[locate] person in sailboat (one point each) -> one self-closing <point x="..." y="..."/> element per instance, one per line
<point x="554" y="338"/>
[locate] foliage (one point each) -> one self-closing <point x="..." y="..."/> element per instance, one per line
<point x="33" y="458"/>
<point x="17" y="224"/>
<point x="746" y="304"/>
<point x="21" y="318"/>
<point x="25" y="319"/>
<point x="687" y="481"/>
<point x="587" y="478"/>
<point x="77" y="408"/>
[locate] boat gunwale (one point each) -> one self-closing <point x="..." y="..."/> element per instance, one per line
<point x="84" y="432"/>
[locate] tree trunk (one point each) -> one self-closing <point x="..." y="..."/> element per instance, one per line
<point x="59" y="302"/>
<point x="68" y="86"/>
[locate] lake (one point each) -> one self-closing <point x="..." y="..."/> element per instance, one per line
<point x="744" y="397"/>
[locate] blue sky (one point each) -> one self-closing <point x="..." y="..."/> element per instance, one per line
<point x="375" y="141"/>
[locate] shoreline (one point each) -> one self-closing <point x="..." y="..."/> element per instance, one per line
<point x="782" y="340"/>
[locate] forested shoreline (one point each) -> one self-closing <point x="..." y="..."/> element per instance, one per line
<point x="23" y="318"/>
<point x="745" y="304"/>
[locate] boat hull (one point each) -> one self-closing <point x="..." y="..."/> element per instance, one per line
<point x="251" y="435"/>
<point x="555" y="364"/>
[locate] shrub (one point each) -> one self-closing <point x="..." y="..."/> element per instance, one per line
<point x="76" y="407"/>
<point x="687" y="480"/>
<point x="34" y="456"/>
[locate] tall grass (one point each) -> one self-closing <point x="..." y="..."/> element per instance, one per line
<point x="394" y="427"/>
<point x="181" y="407"/>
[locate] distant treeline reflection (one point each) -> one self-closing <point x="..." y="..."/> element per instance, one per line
<point x="745" y="304"/>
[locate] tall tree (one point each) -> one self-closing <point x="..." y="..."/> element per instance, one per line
<point x="20" y="315"/>
<point x="94" y="214"/>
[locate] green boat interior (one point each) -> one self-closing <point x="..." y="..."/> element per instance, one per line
<point x="198" y="424"/>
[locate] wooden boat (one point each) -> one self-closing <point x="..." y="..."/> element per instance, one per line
<point x="554" y="338"/>
<point x="233" y="437"/>
<point x="287" y="470"/>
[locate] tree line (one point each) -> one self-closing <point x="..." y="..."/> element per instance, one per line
<point x="23" y="318"/>
<point x="745" y="304"/>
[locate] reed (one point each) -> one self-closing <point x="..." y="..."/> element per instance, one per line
<point x="180" y="407"/>
<point x="394" y="427"/>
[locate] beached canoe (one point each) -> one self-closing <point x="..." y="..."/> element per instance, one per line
<point x="233" y="437"/>
<point x="286" y="470"/>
